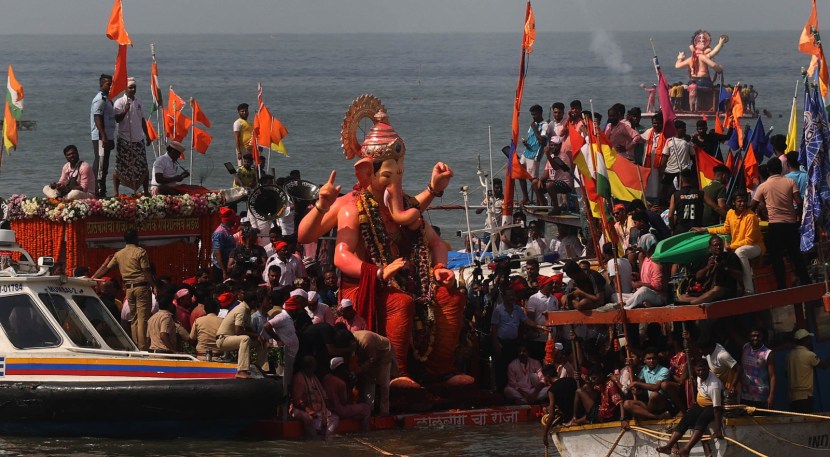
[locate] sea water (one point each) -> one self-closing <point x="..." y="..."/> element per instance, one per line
<point x="442" y="91"/>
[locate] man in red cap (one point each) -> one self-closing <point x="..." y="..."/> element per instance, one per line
<point x="537" y="305"/>
<point x="282" y="328"/>
<point x="223" y="242"/>
<point x="290" y="266"/>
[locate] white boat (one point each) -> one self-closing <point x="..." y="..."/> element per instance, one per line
<point x="68" y="368"/>
<point x="769" y="435"/>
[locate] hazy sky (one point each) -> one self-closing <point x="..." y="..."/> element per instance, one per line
<point x="350" y="16"/>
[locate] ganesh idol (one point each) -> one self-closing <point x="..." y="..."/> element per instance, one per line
<point x="392" y="263"/>
<point x="701" y="58"/>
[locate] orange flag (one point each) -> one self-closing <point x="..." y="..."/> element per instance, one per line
<point x="115" y="28"/>
<point x="751" y="170"/>
<point x="718" y="125"/>
<point x="201" y="140"/>
<point x="262" y="126"/>
<point x="9" y="137"/>
<point x="119" y="77"/>
<point x="530" y="31"/>
<point x="183" y="124"/>
<point x="807" y="42"/>
<point x="278" y="131"/>
<point x="199" y="115"/>
<point x="151" y="132"/>
<point x="174" y="102"/>
<point x="730" y="161"/>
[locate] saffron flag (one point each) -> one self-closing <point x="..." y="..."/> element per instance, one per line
<point x="9" y="129"/>
<point x="154" y="86"/>
<point x="115" y="28"/>
<point x="198" y="114"/>
<point x="529" y="36"/>
<point x="12" y="111"/>
<point x="514" y="168"/>
<point x="809" y="43"/>
<point x="734" y="112"/>
<point x="176" y="125"/>
<point x="718" y="124"/>
<point x="119" y="77"/>
<point x="174" y="102"/>
<point x="751" y="162"/>
<point x="705" y="166"/>
<point x="814" y="153"/>
<point x="151" y="132"/>
<point x="730" y="161"/>
<point x="200" y="140"/>
<point x="269" y="130"/>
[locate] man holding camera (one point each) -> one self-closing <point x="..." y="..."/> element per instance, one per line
<point x="249" y="255"/>
<point x="719" y="279"/>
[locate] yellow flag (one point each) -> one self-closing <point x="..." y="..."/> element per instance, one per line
<point x="792" y="136"/>
<point x="280" y="148"/>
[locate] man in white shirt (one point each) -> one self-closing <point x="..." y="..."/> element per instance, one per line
<point x="164" y="171"/>
<point x="290" y="266"/>
<point x="611" y="268"/>
<point x="708" y="408"/>
<point x="131" y="159"/>
<point x="537" y="305"/>
<point x="679" y="154"/>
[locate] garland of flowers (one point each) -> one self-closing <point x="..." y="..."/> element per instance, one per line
<point x="376" y="242"/>
<point x="121" y="208"/>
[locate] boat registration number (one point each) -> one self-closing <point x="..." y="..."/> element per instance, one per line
<point x="8" y="288"/>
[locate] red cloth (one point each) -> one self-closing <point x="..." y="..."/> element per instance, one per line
<point x="449" y="316"/>
<point x="389" y="312"/>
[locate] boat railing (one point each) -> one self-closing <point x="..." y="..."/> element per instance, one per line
<point x="131" y="354"/>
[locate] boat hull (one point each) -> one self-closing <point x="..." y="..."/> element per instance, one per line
<point x="773" y="436"/>
<point x="164" y="408"/>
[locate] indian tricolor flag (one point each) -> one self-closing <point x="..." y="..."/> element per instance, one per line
<point x="14" y="107"/>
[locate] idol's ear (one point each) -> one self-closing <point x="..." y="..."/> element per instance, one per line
<point x="363" y="170"/>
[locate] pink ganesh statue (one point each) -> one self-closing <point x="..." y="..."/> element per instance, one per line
<point x="393" y="264"/>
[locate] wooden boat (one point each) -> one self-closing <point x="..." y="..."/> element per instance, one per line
<point x="807" y="437"/>
<point x="67" y="368"/>
<point x="771" y="435"/>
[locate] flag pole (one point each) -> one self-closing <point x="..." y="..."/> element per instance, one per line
<point x="159" y="126"/>
<point x="175" y="108"/>
<point x="190" y="178"/>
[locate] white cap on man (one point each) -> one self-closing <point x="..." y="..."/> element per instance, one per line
<point x="313" y="297"/>
<point x="336" y="362"/>
<point x="299" y="293"/>
<point x="346" y="303"/>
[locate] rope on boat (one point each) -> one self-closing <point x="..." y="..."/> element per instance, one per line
<point x="781" y="438"/>
<point x="752" y="410"/>
<point x="377" y="449"/>
<point x="663" y="436"/>
<point x="616" y="442"/>
<point x="747" y="448"/>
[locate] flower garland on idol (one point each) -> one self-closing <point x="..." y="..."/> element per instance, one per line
<point x="122" y="208"/>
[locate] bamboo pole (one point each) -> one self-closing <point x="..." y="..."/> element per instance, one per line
<point x="616" y="442"/>
<point x="192" y="116"/>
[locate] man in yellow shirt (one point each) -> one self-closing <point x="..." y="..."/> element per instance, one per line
<point x="243" y="131"/>
<point x="744" y="229"/>
<point x="801" y="365"/>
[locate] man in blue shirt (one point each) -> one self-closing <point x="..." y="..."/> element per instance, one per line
<point x="796" y="173"/>
<point x="531" y="159"/>
<point x="504" y="329"/>
<point x="102" y="126"/>
<point x="223" y="243"/>
<point x="657" y="398"/>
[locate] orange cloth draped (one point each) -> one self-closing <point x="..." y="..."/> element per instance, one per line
<point x="449" y="317"/>
<point x="394" y="312"/>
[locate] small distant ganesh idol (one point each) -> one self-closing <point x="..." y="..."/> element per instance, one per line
<point x="700" y="60"/>
<point x="392" y="263"/>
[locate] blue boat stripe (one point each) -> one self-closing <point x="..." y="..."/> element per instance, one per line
<point x="135" y="368"/>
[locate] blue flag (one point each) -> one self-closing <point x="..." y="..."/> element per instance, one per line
<point x="724" y="98"/>
<point x="814" y="153"/>
<point x="733" y="141"/>
<point x="760" y="142"/>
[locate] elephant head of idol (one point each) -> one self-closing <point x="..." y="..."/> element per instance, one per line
<point x="381" y="153"/>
